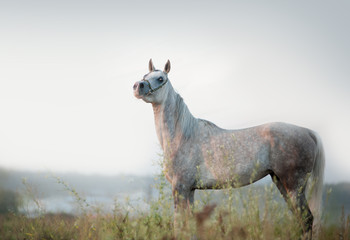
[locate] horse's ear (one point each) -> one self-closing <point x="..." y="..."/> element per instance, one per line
<point x="151" y="66"/>
<point x="167" y="67"/>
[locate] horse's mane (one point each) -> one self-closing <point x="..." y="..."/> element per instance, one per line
<point x="208" y="123"/>
<point x="184" y="118"/>
<point x="186" y="121"/>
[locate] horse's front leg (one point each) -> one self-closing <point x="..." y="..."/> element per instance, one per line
<point x="183" y="205"/>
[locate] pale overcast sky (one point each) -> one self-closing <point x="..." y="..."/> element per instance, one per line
<point x="67" y="69"/>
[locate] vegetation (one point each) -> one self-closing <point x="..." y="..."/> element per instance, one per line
<point x="248" y="213"/>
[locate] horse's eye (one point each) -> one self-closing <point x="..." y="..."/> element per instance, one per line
<point x="160" y="79"/>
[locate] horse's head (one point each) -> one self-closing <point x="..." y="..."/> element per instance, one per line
<point x="153" y="88"/>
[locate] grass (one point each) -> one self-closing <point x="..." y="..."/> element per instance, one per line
<point x="246" y="213"/>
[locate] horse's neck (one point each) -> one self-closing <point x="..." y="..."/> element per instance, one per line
<point x="174" y="122"/>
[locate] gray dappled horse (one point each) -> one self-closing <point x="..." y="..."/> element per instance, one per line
<point x="200" y="155"/>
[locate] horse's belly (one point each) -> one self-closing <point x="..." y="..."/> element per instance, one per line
<point x="238" y="173"/>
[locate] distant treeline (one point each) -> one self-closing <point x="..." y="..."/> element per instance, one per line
<point x="47" y="184"/>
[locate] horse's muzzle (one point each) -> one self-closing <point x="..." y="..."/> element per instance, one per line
<point x="141" y="88"/>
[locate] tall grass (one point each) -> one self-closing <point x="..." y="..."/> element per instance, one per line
<point x="245" y="213"/>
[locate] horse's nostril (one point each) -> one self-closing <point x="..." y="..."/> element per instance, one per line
<point x="135" y="86"/>
<point x="142" y="85"/>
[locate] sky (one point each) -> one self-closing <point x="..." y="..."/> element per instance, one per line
<point x="67" y="69"/>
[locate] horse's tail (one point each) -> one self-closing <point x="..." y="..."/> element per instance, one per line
<point x="316" y="182"/>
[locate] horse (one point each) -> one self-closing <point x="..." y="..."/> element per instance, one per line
<point x="200" y="155"/>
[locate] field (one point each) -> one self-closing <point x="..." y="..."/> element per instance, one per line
<point x="246" y="213"/>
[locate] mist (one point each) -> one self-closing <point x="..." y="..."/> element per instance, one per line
<point x="67" y="71"/>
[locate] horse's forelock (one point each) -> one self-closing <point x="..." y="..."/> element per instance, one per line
<point x="151" y="73"/>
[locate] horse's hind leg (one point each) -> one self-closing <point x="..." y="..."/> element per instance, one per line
<point x="296" y="200"/>
<point x="300" y="207"/>
<point x="305" y="214"/>
<point x="280" y="186"/>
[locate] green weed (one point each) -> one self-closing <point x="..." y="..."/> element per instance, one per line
<point x="244" y="213"/>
